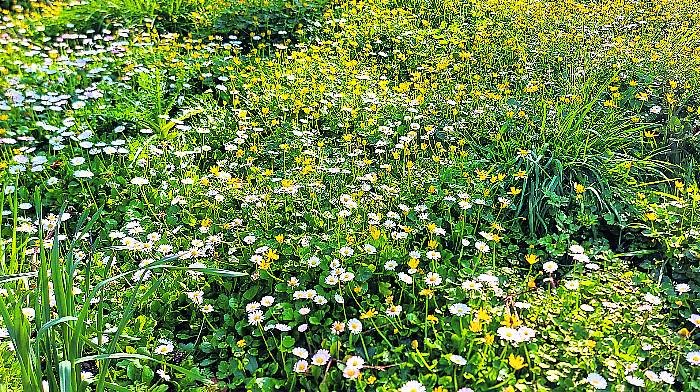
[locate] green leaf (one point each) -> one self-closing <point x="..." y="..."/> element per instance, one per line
<point x="147" y="375"/>
<point x="65" y="374"/>
<point x="363" y="274"/>
<point x="288" y="342"/>
<point x="15" y="277"/>
<point x="51" y="323"/>
<point x="250" y="293"/>
<point x="252" y="364"/>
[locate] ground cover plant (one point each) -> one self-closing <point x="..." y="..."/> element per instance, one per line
<point x="380" y="195"/>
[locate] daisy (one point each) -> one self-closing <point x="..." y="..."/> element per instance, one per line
<point x="459" y="309"/>
<point x="695" y="319"/>
<point x="139" y="181"/>
<point x="83" y="174"/>
<point x="165" y="376"/>
<point x="652" y="376"/>
<point x="405" y="278"/>
<point x="196" y="296"/>
<point x="571" y="285"/>
<point x="433" y="279"/>
<point x="355" y="361"/>
<point x="682" y="288"/>
<point x="256" y="317"/>
<point x="338" y="327"/>
<point x="412" y="386"/>
<point x="390" y="265"/>
<point x="693" y="357"/>
<point x="301" y="366"/>
<point x="576" y="249"/>
<point x="267" y="301"/>
<point x="550" y="267"/>
<point x="509" y="334"/>
<point x="526" y="333"/>
<point x="597" y="381"/>
<point x="351" y="373"/>
<point x="471" y="285"/>
<point x="164" y="349"/>
<point x="667" y="377"/>
<point x="393" y="310"/>
<point x="433" y="255"/>
<point x="355" y="326"/>
<point x="458" y="360"/>
<point x="300" y="352"/>
<point x="346" y="251"/>
<point x="636" y="381"/>
<point x="482" y="247"/>
<point x="321" y="357"/>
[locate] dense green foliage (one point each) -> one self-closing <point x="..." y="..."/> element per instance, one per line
<point x="414" y="195"/>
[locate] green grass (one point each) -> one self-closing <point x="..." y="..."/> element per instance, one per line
<point x="463" y="194"/>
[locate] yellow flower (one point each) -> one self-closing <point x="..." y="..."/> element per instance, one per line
<point x="531" y="258"/>
<point x="579" y="188"/>
<point x="413" y="263"/>
<point x="475" y="326"/>
<point x="241" y="343"/>
<point x="483" y="315"/>
<point x="651" y="216"/>
<point x="684" y="332"/>
<point x="368" y="314"/>
<point x="489" y="339"/>
<point x="426" y="292"/>
<point x="432" y="318"/>
<point x="371" y="380"/>
<point x="512" y="321"/>
<point x="279" y="238"/>
<point x="516" y="362"/>
<point x="374" y="232"/>
<point x="271" y="255"/>
<point x="497" y="226"/>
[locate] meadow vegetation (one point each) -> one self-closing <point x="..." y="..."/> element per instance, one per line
<point x="377" y="195"/>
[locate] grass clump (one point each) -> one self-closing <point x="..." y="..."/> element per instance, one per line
<point x="415" y="195"/>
